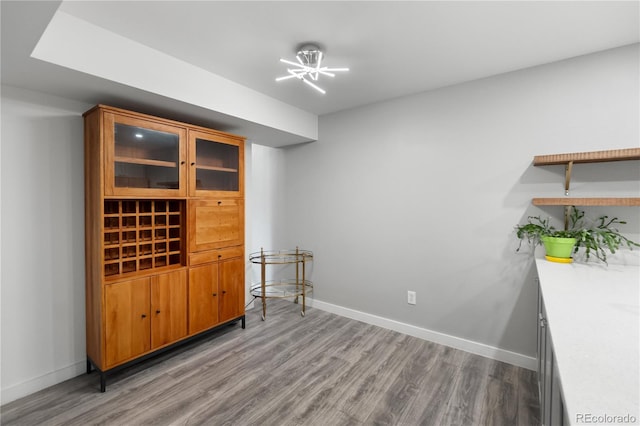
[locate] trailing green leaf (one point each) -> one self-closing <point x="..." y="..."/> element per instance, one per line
<point x="594" y="238"/>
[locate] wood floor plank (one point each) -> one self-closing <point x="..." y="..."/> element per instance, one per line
<point x="499" y="406"/>
<point x="430" y="406"/>
<point x="468" y="392"/>
<point x="391" y="408"/>
<point x="375" y="377"/>
<point x="528" y="404"/>
<point x="322" y="369"/>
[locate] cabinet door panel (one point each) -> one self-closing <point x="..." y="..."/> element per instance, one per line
<point x="232" y="288"/>
<point x="216" y="163"/>
<point x="557" y="403"/>
<point x="215" y="224"/>
<point x="547" y="377"/>
<point x="203" y="297"/>
<point x="540" y="348"/>
<point x="168" y="308"/>
<point x="143" y="157"/>
<point x="127" y="320"/>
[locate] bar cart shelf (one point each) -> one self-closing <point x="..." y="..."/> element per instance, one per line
<point x="282" y="288"/>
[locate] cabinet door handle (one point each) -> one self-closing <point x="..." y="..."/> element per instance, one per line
<point x="144" y="315"/>
<point x="219" y="202"/>
<point x="182" y="162"/>
<point x="215" y="294"/>
<point x="193" y="164"/>
<point x="224" y="291"/>
<point x="157" y="311"/>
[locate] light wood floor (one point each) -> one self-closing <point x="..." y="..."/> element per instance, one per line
<point x="319" y="370"/>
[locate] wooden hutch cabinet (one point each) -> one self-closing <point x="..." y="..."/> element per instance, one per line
<point x="164" y="234"/>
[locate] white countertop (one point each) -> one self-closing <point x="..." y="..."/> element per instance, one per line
<point x="593" y="316"/>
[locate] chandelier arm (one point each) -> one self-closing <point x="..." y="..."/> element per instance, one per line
<point x="309" y="67"/>
<point x="326" y="73"/>
<point x="292" y="73"/>
<point x="317" y="67"/>
<point x="295" y="64"/>
<point x="313" y="85"/>
<point x="286" y="77"/>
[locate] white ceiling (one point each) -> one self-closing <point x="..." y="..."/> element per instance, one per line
<point x="392" y="48"/>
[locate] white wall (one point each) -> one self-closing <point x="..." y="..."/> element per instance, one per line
<point x="422" y="193"/>
<point x="267" y="197"/>
<point x="42" y="322"/>
<point x="98" y="52"/>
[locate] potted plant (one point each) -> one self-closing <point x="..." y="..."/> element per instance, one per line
<point x="597" y="238"/>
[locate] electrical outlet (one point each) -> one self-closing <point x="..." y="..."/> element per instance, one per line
<point x="411" y="297"/>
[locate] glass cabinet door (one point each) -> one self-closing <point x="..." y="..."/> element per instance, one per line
<point x="215" y="164"/>
<point x="143" y="157"/>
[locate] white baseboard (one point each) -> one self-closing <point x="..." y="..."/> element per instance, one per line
<point x="481" y="349"/>
<point x="35" y="384"/>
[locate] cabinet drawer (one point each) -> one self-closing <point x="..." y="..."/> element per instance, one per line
<point x="215" y="224"/>
<point x="214" y="255"/>
<point x="228" y="253"/>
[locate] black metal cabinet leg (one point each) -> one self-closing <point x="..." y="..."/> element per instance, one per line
<point x="88" y="366"/>
<point x="103" y="382"/>
<point x="243" y="322"/>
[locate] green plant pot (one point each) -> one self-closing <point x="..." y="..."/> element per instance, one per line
<point x="560" y="248"/>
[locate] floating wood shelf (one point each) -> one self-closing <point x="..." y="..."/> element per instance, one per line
<point x="145" y="161"/>
<point x="588" y="157"/>
<point x="570" y="201"/>
<point x="568" y="160"/>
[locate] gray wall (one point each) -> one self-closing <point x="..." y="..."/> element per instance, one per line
<point x="422" y="193"/>
<point x="381" y="198"/>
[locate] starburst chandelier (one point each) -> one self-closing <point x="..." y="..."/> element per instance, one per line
<point x="309" y="68"/>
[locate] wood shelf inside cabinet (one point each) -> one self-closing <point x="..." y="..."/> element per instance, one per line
<point x="626" y="154"/>
<point x="572" y="201"/>
<point x="217" y="168"/>
<point x="145" y="161"/>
